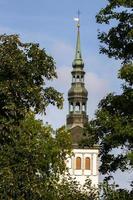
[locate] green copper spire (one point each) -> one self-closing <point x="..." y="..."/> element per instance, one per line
<point x="77" y="94"/>
<point x="78" y="50"/>
<point x="78" y="57"/>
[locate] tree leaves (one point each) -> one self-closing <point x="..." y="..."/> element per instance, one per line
<point x="24" y="69"/>
<point x="112" y="192"/>
<point x="118" y="41"/>
<point x="33" y="159"/>
<point x="113" y="124"/>
<point x="29" y="154"/>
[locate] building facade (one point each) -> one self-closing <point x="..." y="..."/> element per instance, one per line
<point x="84" y="162"/>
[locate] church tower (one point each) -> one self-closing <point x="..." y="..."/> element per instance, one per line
<point x="77" y="95"/>
<point x="84" y="162"/>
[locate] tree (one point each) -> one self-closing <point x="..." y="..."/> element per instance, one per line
<point x="113" y="126"/>
<point x="24" y="70"/>
<point x="70" y="189"/>
<point x="24" y="171"/>
<point x="118" y="40"/>
<point x="112" y="192"/>
<point x="34" y="162"/>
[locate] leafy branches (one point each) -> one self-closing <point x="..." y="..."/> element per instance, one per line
<point x="113" y="126"/>
<point x="24" y="69"/>
<point x="118" y="41"/>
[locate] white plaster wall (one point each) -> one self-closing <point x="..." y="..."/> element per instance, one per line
<point x="82" y="174"/>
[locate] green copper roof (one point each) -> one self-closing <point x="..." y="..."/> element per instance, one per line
<point x="78" y="57"/>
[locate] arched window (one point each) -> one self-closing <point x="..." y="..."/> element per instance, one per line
<point x="73" y="79"/>
<point x="78" y="79"/>
<point x="82" y="78"/>
<point x="78" y="163"/>
<point x="71" y="107"/>
<point x="77" y="107"/>
<point x="87" y="163"/>
<point x="83" y="107"/>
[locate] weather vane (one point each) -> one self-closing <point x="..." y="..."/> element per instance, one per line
<point x="78" y="13"/>
<point x="77" y="19"/>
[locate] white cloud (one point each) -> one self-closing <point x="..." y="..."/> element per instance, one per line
<point x="62" y="52"/>
<point x="96" y="86"/>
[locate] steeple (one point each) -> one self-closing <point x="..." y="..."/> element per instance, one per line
<point x="84" y="161"/>
<point x="77" y="95"/>
<point x="78" y="56"/>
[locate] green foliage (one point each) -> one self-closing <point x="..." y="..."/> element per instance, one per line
<point x="31" y="156"/>
<point x="126" y="73"/>
<point x="113" y="125"/>
<point x="112" y="192"/>
<point x="118" y="40"/>
<point x="115" y="129"/>
<point x="70" y="189"/>
<point x="33" y="161"/>
<point x="90" y="137"/>
<point x="24" y="69"/>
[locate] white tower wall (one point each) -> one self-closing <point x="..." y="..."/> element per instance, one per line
<point x="82" y="174"/>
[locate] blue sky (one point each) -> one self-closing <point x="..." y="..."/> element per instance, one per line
<point x="50" y="23"/>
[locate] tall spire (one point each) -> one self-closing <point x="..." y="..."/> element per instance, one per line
<point x="77" y="94"/>
<point x="78" y="56"/>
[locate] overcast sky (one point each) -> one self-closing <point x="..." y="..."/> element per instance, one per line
<point x="50" y="23"/>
